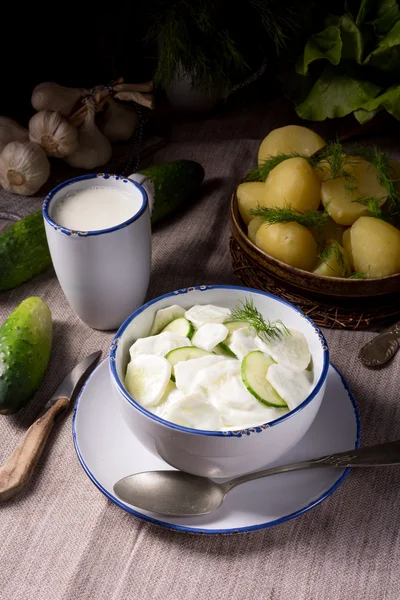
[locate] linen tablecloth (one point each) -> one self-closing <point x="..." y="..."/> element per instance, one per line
<point x="61" y="539"/>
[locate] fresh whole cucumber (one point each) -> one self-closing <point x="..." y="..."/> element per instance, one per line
<point x="23" y="251"/>
<point x="25" y="348"/>
<point x="175" y="183"/>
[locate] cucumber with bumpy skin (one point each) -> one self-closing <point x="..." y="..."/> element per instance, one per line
<point x="24" y="252"/>
<point x="175" y="183"/>
<point x="254" y="376"/>
<point x="25" y="347"/>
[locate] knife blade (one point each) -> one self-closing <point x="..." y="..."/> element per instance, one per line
<point x="71" y="382"/>
<point x="18" y="468"/>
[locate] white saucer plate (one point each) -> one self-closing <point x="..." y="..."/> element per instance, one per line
<point x="108" y="451"/>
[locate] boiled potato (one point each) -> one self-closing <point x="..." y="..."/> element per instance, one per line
<point x="329" y="231"/>
<point x="375" y="245"/>
<point x="339" y="201"/>
<point x="292" y="138"/>
<point x="322" y="170"/>
<point x="291" y="243"/>
<point x="249" y="196"/>
<point x="336" y="264"/>
<point x="346" y="242"/>
<point x="292" y="183"/>
<point x="253" y="227"/>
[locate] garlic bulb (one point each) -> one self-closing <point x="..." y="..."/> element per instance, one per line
<point x="51" y="96"/>
<point x="11" y="131"/>
<point x="57" y="136"/>
<point x="24" y="168"/>
<point x="118" y="122"/>
<point x="94" y="148"/>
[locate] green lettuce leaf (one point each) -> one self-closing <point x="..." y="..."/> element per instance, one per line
<point x="336" y="94"/>
<point x="386" y="16"/>
<point x="390" y="100"/>
<point x="352" y="39"/>
<point x="386" y="57"/>
<point x="324" y="45"/>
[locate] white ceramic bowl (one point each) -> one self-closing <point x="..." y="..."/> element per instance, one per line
<point x="216" y="453"/>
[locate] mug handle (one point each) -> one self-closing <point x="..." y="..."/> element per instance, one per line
<point x="147" y="184"/>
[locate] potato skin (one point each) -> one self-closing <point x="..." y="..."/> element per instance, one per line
<point x="291" y="243"/>
<point x="249" y="196"/>
<point x="293" y="183"/>
<point x="253" y="227"/>
<point x="289" y="139"/>
<point x="375" y="246"/>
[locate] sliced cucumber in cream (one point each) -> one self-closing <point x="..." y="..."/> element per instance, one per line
<point x="234" y="325"/>
<point x="180" y="326"/>
<point x="290" y="350"/>
<point x="224" y="350"/>
<point x="147" y="377"/>
<point x="183" y="354"/>
<point x="209" y="335"/>
<point x="254" y="371"/>
<point x="165" y="316"/>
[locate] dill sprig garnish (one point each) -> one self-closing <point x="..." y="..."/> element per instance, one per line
<point x="381" y="162"/>
<point x="261" y="172"/>
<point x="373" y="205"/>
<point x="339" y="164"/>
<point x="332" y="249"/>
<point x="266" y="330"/>
<point x="358" y="275"/>
<point x="287" y="214"/>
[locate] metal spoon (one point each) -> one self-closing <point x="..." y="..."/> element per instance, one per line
<point x="382" y="348"/>
<point x="180" y="494"/>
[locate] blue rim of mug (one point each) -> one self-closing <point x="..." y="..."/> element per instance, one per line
<point x="50" y="197"/>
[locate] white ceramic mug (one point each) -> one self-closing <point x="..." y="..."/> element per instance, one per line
<point x="104" y="274"/>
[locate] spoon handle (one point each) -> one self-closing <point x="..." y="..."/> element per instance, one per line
<point x="378" y="351"/>
<point x="370" y="456"/>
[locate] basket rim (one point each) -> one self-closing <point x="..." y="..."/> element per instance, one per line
<point x="237" y="222"/>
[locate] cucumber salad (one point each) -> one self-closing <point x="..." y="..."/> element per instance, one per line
<point x="211" y="368"/>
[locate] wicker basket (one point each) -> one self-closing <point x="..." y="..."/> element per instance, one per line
<point x="330" y="301"/>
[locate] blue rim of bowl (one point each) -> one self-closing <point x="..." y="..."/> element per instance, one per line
<point x="199" y="530"/>
<point x="50" y="196"/>
<point x="239" y="433"/>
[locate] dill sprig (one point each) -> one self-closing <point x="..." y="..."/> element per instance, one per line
<point x="381" y="162"/>
<point x="261" y="172"/>
<point x="358" y="275"/>
<point x="266" y="330"/>
<point x="338" y="162"/>
<point x="373" y="205"/>
<point x="287" y="214"/>
<point x="332" y="249"/>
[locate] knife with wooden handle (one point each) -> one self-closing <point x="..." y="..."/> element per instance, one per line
<point x="19" y="466"/>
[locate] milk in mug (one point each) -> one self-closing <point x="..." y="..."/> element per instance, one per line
<point x="94" y="208"/>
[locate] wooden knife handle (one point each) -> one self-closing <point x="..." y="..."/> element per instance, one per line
<point x="18" y="468"/>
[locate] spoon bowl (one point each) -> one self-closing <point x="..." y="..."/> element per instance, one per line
<point x="175" y="493"/>
<point x="172" y="493"/>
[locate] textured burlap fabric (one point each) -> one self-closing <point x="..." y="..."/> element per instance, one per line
<point x="61" y="539"/>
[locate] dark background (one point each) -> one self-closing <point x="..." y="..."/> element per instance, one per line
<point x="74" y="44"/>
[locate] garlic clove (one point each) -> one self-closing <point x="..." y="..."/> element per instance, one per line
<point x="54" y="133"/>
<point x="51" y="96"/>
<point x="24" y="168"/>
<point x="94" y="148"/>
<point x="118" y="122"/>
<point x="11" y="131"/>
